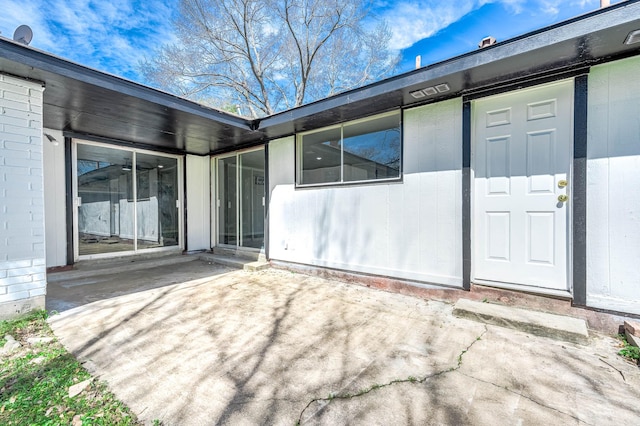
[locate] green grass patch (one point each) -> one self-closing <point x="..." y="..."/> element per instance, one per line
<point x="34" y="322"/>
<point x="628" y="351"/>
<point x="35" y="381"/>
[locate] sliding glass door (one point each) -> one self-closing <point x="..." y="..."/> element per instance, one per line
<point x="241" y="200"/>
<point x="227" y="201"/>
<point x="157" y="206"/>
<point x="126" y="200"/>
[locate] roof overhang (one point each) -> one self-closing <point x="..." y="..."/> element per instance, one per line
<point x="81" y="100"/>
<point x="572" y="45"/>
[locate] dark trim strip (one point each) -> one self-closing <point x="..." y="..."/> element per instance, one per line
<point x="125" y="144"/>
<point x="236" y="148"/>
<point x="466" y="195"/>
<point x="68" y="187"/>
<point x="526" y="82"/>
<point x="579" y="191"/>
<point x="210" y="202"/>
<point x="267" y="193"/>
<point x="184" y="205"/>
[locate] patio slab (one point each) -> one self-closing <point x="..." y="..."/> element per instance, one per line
<point x="274" y="347"/>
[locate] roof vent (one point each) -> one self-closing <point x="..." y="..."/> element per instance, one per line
<point x="430" y="91"/>
<point x="441" y="88"/>
<point x="486" y="42"/>
<point x="633" y="37"/>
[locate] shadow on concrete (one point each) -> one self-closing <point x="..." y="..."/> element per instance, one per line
<point x="67" y="290"/>
<point x="256" y="348"/>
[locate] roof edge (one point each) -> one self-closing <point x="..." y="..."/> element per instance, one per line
<point x="48" y="62"/>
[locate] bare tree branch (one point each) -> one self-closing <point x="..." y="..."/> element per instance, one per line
<point x="270" y="55"/>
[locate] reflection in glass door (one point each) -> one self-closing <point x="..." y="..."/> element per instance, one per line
<point x="126" y="200"/>
<point x="241" y="200"/>
<point x="156" y="201"/>
<point x="227" y="225"/>
<point x="105" y="223"/>
<point x="252" y="199"/>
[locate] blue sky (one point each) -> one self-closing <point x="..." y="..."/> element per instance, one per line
<point x="114" y="35"/>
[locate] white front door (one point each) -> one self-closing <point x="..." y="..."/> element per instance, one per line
<point x="522" y="157"/>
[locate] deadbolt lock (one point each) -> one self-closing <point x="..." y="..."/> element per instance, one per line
<point x="562" y="183"/>
<point x="562" y="198"/>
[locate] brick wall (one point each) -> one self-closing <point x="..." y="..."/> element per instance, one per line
<point x="22" y="243"/>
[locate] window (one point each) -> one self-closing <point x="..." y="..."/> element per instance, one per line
<point x="359" y="151"/>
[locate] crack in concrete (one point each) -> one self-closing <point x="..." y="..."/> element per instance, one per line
<point x="376" y="386"/>
<point x="526" y="397"/>
<point x="623" y="378"/>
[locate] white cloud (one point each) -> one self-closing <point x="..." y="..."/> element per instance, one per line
<point x="550" y="8"/>
<point x="414" y="20"/>
<point x="15" y="13"/>
<point x="515" y="6"/>
<point x="108" y="35"/>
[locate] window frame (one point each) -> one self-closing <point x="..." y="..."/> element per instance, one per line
<point x="342" y="182"/>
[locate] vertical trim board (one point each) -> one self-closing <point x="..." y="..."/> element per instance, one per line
<point x="579" y="191"/>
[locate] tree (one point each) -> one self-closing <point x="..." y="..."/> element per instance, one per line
<point x="270" y="55"/>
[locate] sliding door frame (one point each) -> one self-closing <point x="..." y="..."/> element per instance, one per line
<point x="215" y="216"/>
<point x="75" y="201"/>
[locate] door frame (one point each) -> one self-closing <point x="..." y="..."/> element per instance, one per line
<point x="74" y="201"/>
<point x="215" y="202"/>
<point x="568" y="293"/>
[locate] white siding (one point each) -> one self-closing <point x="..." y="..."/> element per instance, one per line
<point x="409" y="229"/>
<point x="198" y="203"/>
<point x="22" y="241"/>
<point x="55" y="199"/>
<point x="613" y="179"/>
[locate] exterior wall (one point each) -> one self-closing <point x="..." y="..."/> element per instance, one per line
<point x="408" y="230"/>
<point x="198" y="203"/>
<point x="55" y="199"/>
<point x="613" y="179"/>
<point x="22" y="242"/>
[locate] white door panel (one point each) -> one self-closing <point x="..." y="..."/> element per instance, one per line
<point x="522" y="152"/>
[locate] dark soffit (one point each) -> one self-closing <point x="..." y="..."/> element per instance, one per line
<point x="82" y="100"/>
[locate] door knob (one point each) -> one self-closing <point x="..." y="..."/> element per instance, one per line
<point x="562" y="198"/>
<point x="562" y="183"/>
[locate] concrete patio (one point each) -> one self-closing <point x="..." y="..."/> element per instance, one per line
<point x="275" y="347"/>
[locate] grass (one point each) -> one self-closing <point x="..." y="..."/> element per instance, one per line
<point x="35" y="381"/>
<point x="628" y="351"/>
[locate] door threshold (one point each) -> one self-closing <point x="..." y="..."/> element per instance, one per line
<point x="539" y="291"/>
<point x="245" y="253"/>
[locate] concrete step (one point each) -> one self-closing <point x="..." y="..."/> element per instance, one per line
<point x="235" y="262"/>
<point x="258" y="265"/>
<point x="239" y="253"/>
<point x="539" y="323"/>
